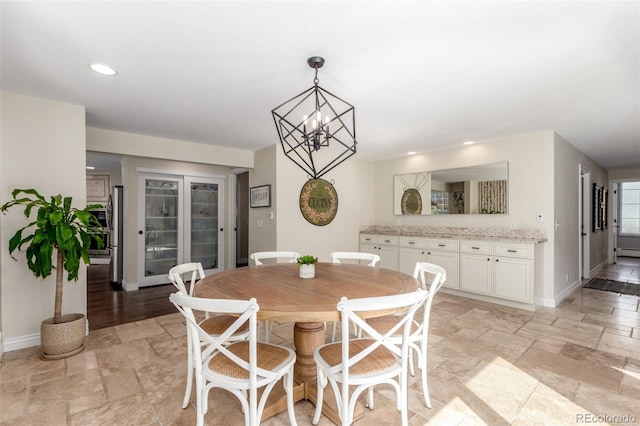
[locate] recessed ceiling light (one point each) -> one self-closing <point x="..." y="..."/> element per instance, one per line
<point x="411" y="153"/>
<point x="90" y="168"/>
<point x="468" y="143"/>
<point x="103" y="69"/>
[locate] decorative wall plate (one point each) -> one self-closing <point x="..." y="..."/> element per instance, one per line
<point x="318" y="202"/>
<point x="411" y="202"/>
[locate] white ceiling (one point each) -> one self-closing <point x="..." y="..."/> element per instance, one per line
<point x="422" y="75"/>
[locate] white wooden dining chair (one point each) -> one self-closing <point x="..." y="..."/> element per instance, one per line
<point x="420" y="333"/>
<point x="363" y="363"/>
<point x="339" y="257"/>
<point x="242" y="367"/>
<point x="275" y="256"/>
<point x="213" y="325"/>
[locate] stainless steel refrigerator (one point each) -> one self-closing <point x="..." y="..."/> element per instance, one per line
<point x="117" y="239"/>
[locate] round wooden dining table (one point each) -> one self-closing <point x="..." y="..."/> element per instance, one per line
<point x="285" y="297"/>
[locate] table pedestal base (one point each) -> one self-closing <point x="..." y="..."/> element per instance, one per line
<point x="306" y="336"/>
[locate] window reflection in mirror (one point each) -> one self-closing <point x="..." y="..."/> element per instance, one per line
<point x="478" y="189"/>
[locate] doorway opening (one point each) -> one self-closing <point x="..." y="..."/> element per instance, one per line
<point x="242" y="219"/>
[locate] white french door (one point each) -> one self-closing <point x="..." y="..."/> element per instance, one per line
<point x="180" y="221"/>
<point x="204" y="219"/>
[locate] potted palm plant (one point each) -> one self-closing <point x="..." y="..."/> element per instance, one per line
<point x="59" y="232"/>
<point x="307" y="266"/>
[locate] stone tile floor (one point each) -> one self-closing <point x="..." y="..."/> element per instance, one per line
<point x="488" y="364"/>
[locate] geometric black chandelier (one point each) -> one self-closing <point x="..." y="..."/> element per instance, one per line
<point x="317" y="129"/>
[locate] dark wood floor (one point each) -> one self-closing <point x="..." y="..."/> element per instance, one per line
<point x="106" y="307"/>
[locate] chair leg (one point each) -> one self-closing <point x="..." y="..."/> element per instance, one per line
<point x="187" y="392"/>
<point x="267" y="331"/>
<point x="333" y="334"/>
<point x="322" y="382"/>
<point x="425" y="385"/>
<point x="369" y="400"/>
<point x="411" y="369"/>
<point x="288" y="386"/>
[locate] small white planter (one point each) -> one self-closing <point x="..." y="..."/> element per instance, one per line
<point x="307" y="271"/>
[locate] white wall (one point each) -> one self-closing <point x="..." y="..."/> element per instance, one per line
<point x="531" y="188"/>
<point x="625" y="174"/>
<point x="264" y="173"/>
<point x="109" y="141"/>
<point x="567" y="274"/>
<point x="353" y="183"/>
<point x="43" y="147"/>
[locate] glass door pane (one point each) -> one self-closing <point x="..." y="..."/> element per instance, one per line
<point x="161" y="226"/>
<point x="204" y="247"/>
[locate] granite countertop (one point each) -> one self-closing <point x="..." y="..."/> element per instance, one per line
<point x="519" y="236"/>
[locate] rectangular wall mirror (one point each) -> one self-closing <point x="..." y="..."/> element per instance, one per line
<point x="478" y="189"/>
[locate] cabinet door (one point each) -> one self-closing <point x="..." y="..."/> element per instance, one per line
<point x="449" y="261"/>
<point x="388" y="254"/>
<point x="369" y="248"/>
<point x="204" y="213"/>
<point x="388" y="257"/>
<point x="408" y="257"/>
<point x="160" y="229"/>
<point x="476" y="273"/>
<point x="513" y="279"/>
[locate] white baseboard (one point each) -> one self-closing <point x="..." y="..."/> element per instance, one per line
<point x="555" y="301"/>
<point x="27" y="341"/>
<point x="21" y="342"/>
<point x="129" y="286"/>
<point x="628" y="253"/>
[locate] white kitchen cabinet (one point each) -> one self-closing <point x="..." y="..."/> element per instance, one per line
<point x="441" y="252"/>
<point x="476" y="273"/>
<point x="180" y="221"/>
<point x="496" y="271"/>
<point x="501" y="270"/>
<point x="384" y="246"/>
<point x="513" y="272"/>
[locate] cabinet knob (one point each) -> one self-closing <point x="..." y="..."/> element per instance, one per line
<point x="221" y="229"/>
<point x="139" y="232"/>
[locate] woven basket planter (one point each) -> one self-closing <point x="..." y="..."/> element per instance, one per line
<point x="63" y="339"/>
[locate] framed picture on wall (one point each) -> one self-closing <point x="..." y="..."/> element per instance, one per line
<point x="604" y="208"/>
<point x="260" y="196"/>
<point x="596" y="218"/>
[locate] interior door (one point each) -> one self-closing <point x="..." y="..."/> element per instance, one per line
<point x="204" y="215"/>
<point x="160" y="233"/>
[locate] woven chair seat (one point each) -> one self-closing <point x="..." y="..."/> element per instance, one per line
<point x="270" y="357"/>
<point x="387" y="322"/>
<point x="379" y="360"/>
<point x="218" y="324"/>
